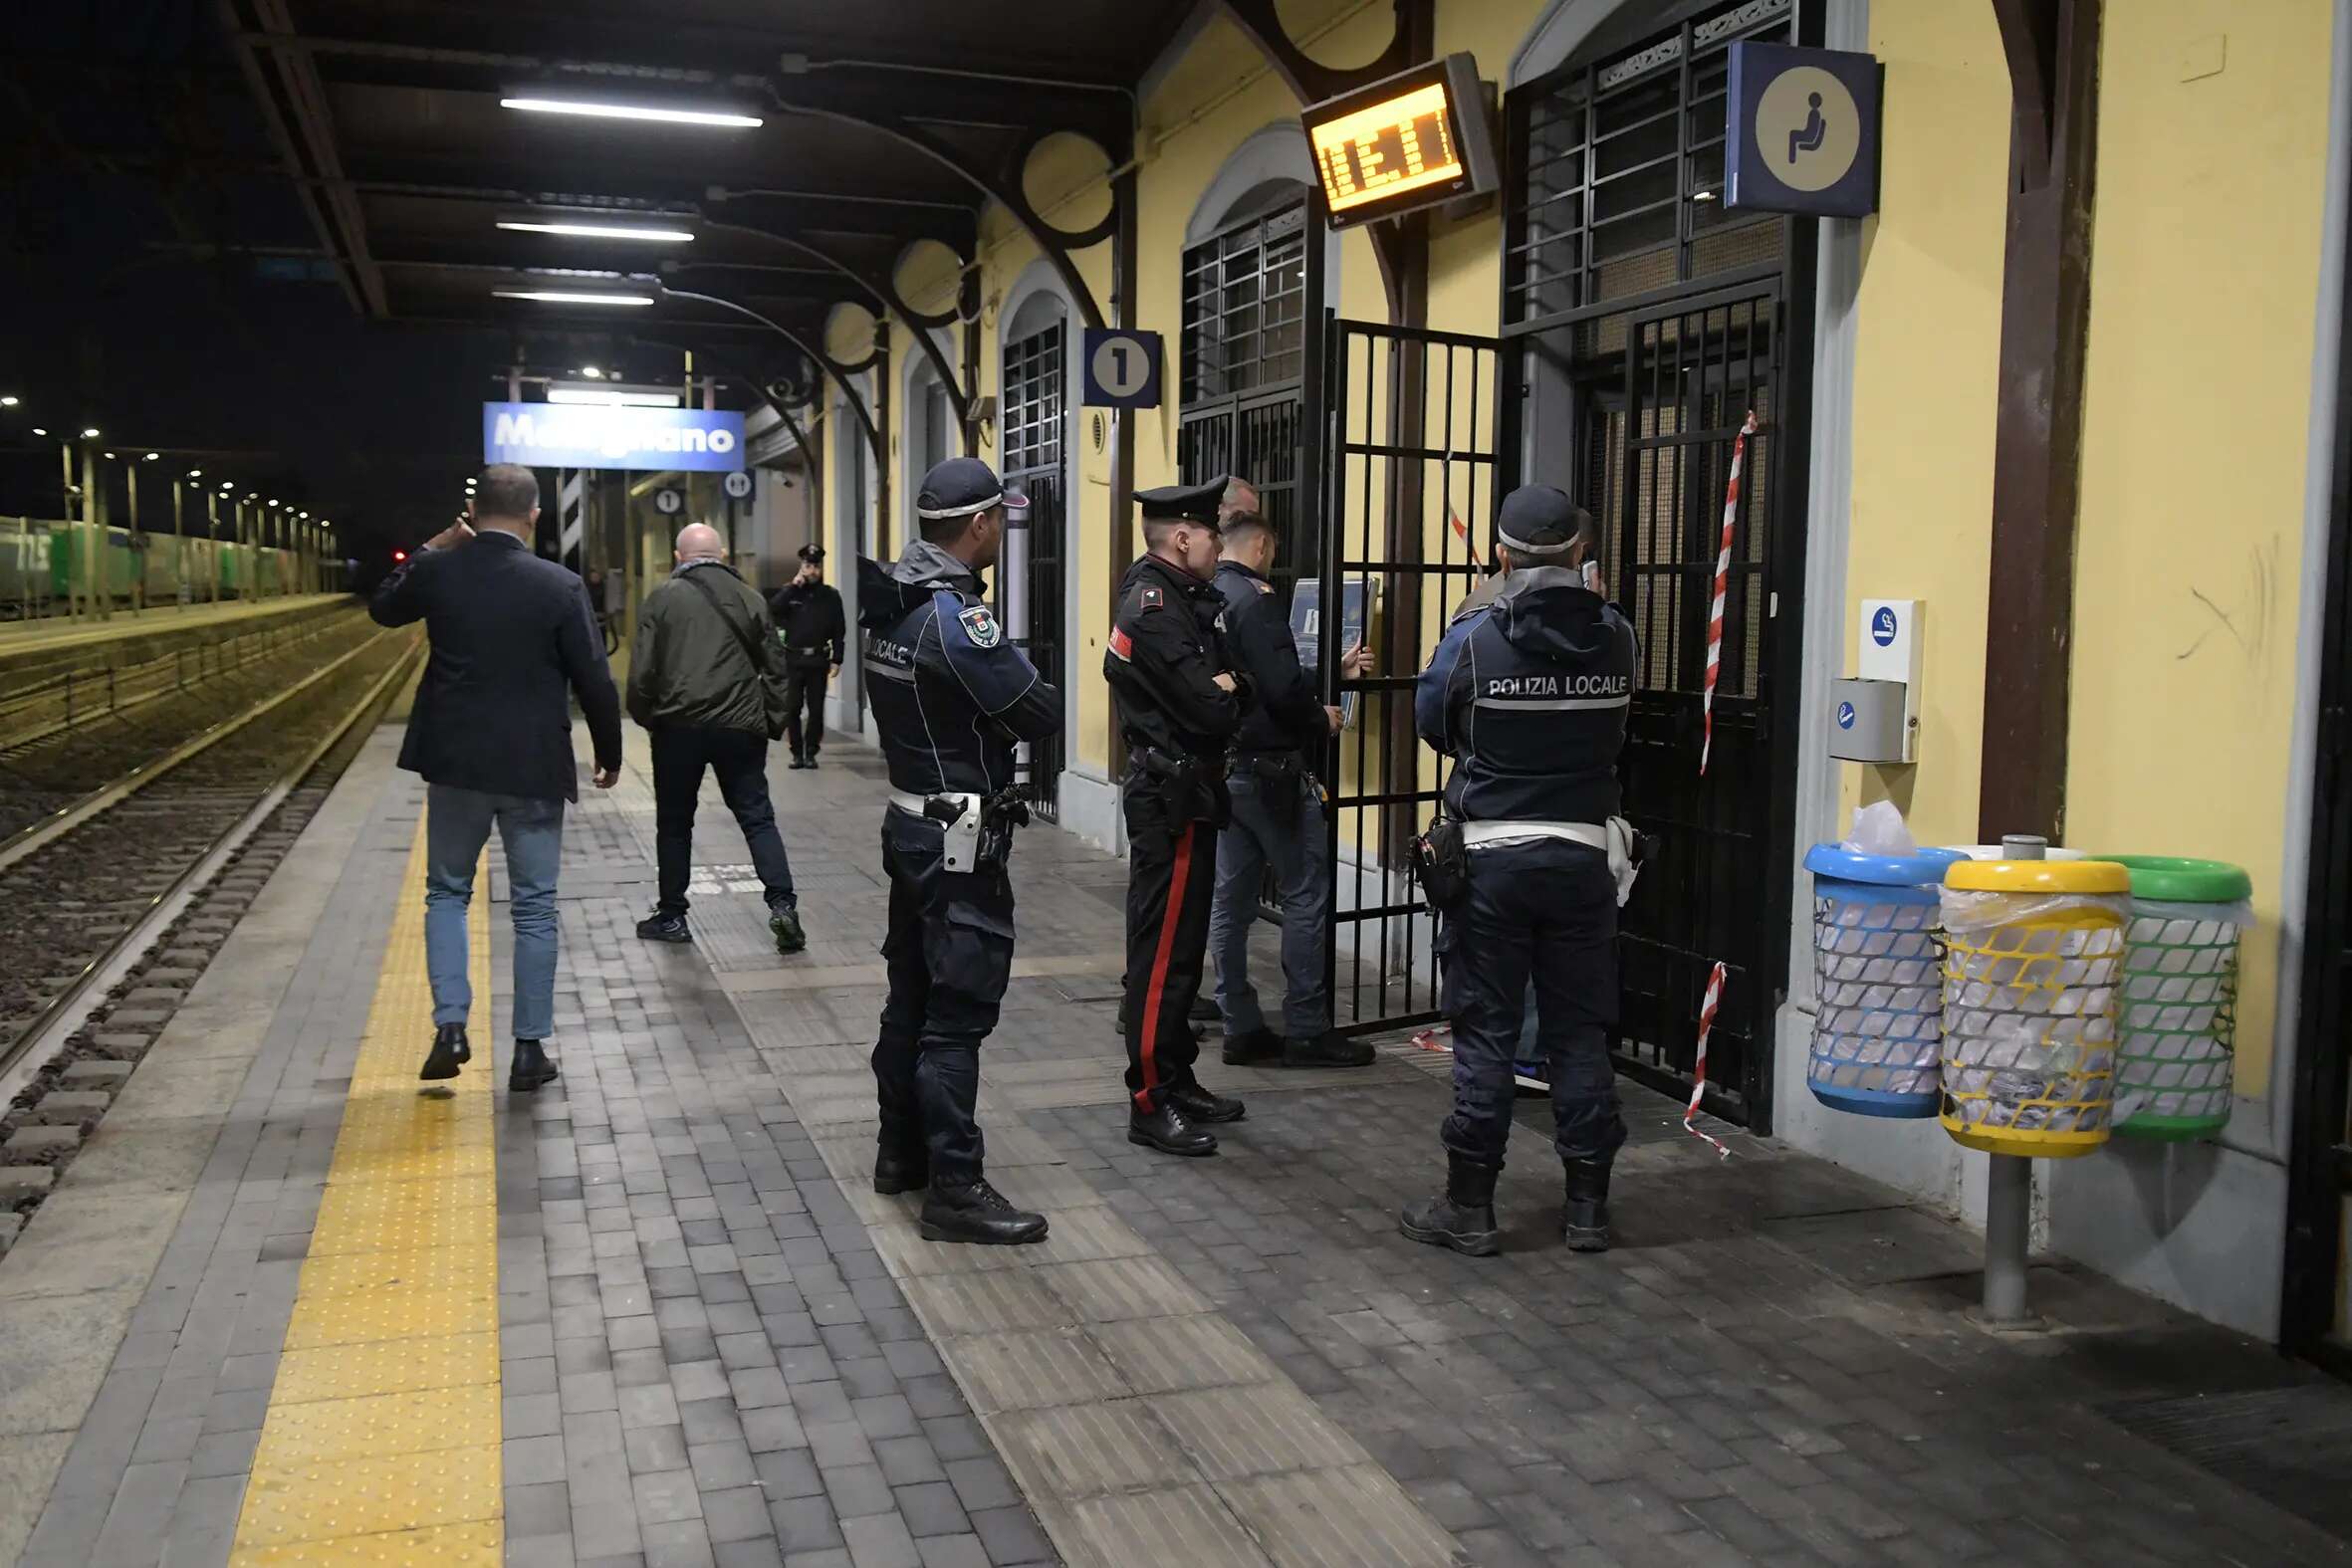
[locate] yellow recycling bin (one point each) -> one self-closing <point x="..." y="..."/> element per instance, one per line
<point x="2033" y="954"/>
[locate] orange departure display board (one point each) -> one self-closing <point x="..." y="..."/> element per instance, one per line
<point x="1417" y="138"/>
<point x="1390" y="149"/>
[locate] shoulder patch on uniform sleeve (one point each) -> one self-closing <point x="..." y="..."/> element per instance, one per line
<point x="981" y="625"/>
<point x="1151" y="599"/>
<point x="1261" y="585"/>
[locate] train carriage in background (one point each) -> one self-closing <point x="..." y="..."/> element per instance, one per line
<point x="47" y="567"/>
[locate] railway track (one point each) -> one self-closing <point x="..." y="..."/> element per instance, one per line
<point x="86" y="892"/>
<point x="47" y="766"/>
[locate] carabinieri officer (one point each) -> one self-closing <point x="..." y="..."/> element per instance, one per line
<point x="952" y="696"/>
<point x="1180" y="701"/>
<point x="1529" y="693"/>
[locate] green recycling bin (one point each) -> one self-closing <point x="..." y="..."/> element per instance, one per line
<point x="2178" y="1006"/>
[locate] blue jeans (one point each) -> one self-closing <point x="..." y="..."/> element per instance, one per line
<point x="457" y="825"/>
<point x="1286" y="834"/>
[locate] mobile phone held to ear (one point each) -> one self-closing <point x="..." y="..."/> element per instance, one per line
<point x="1593" y="580"/>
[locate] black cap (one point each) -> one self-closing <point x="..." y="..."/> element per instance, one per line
<point x="1188" y="502"/>
<point x="813" y="553"/>
<point x="1540" y="521"/>
<point x="962" y="486"/>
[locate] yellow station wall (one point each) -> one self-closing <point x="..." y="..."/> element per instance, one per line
<point x="1926" y="368"/>
<point x="2203" y="270"/>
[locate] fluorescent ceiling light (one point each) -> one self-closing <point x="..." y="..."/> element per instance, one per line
<point x="592" y="372"/>
<point x="37" y="430"/>
<point x="151" y="456"/>
<point x="607" y="398"/>
<point x="90" y="434"/>
<point x="594" y="231"/>
<point x="596" y="110"/>
<point x="195" y="472"/>
<point x="566" y="296"/>
<point x="8" y="403"/>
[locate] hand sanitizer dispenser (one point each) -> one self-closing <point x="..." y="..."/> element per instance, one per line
<point x="1874" y="717"/>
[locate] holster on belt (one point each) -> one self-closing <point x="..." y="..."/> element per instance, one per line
<point x="1277" y="775"/>
<point x="1000" y="813"/>
<point x="1191" y="791"/>
<point x="1441" y="862"/>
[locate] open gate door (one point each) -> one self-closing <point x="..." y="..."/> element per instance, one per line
<point x="1410" y="505"/>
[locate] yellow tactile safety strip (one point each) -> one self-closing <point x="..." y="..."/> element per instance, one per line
<point x="381" y="1440"/>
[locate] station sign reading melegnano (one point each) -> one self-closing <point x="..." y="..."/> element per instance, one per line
<point x="589" y="435"/>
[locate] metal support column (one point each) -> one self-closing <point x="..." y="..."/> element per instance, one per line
<point x="2009" y="1186"/>
<point x="138" y="544"/>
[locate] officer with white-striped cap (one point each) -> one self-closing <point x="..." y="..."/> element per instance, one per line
<point x="1527" y="694"/>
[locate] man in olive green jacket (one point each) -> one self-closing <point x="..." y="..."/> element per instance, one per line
<point x="705" y="645"/>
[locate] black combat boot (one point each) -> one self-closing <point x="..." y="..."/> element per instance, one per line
<point x="450" y="1053"/>
<point x="1168" y="1130"/>
<point x="1327" y="1049"/>
<point x="1584" y="1216"/>
<point x="901" y="1172"/>
<point x="800" y="760"/>
<point x="664" y="926"/>
<point x="977" y="1212"/>
<point x="1463" y="1219"/>
<point x="530" y="1069"/>
<point x="1199" y="1105"/>
<point x="784" y="924"/>
<point x="1260" y="1048"/>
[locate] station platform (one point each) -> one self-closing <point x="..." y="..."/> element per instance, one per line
<point x="285" y="1308"/>
<point x="50" y="647"/>
<point x="61" y="631"/>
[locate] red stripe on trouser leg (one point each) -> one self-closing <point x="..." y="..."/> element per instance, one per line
<point x="1169" y="915"/>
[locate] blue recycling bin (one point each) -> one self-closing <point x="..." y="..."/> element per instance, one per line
<point x="1878" y="1029"/>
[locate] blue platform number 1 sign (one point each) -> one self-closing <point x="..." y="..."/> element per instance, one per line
<point x="1122" y="369"/>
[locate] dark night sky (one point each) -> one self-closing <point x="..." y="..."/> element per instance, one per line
<point x="135" y="179"/>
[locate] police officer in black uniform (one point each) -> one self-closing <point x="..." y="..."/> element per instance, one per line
<point x="1527" y="693"/>
<point x="810" y="624"/>
<point x="1180" y="701"/>
<point x="952" y="696"/>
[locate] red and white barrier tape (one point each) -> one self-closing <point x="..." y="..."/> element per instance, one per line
<point x="1714" y="995"/>
<point x="1462" y="532"/>
<point x="1723" y="575"/>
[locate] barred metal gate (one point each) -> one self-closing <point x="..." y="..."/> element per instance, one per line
<point x="1410" y="506"/>
<point x="1708" y="894"/>
<point x="1038" y="551"/>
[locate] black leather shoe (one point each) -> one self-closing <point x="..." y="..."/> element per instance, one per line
<point x="1260" y="1048"/>
<point x="900" y="1173"/>
<point x="660" y="926"/>
<point x="1463" y="1219"/>
<point x="799" y="763"/>
<point x="450" y="1053"/>
<point x="530" y="1069"/>
<point x="1199" y="1105"/>
<point x="1167" y="1130"/>
<point x="1327" y="1049"/>
<point x="1584" y="1215"/>
<point x="977" y="1212"/>
<point x="784" y="922"/>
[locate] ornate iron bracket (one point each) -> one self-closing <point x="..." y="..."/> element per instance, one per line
<point x="838" y="373"/>
<point x="883" y="291"/>
<point x="1053" y="242"/>
<point x="1310" y="81"/>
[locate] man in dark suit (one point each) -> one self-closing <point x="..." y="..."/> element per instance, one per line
<point x="491" y="733"/>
